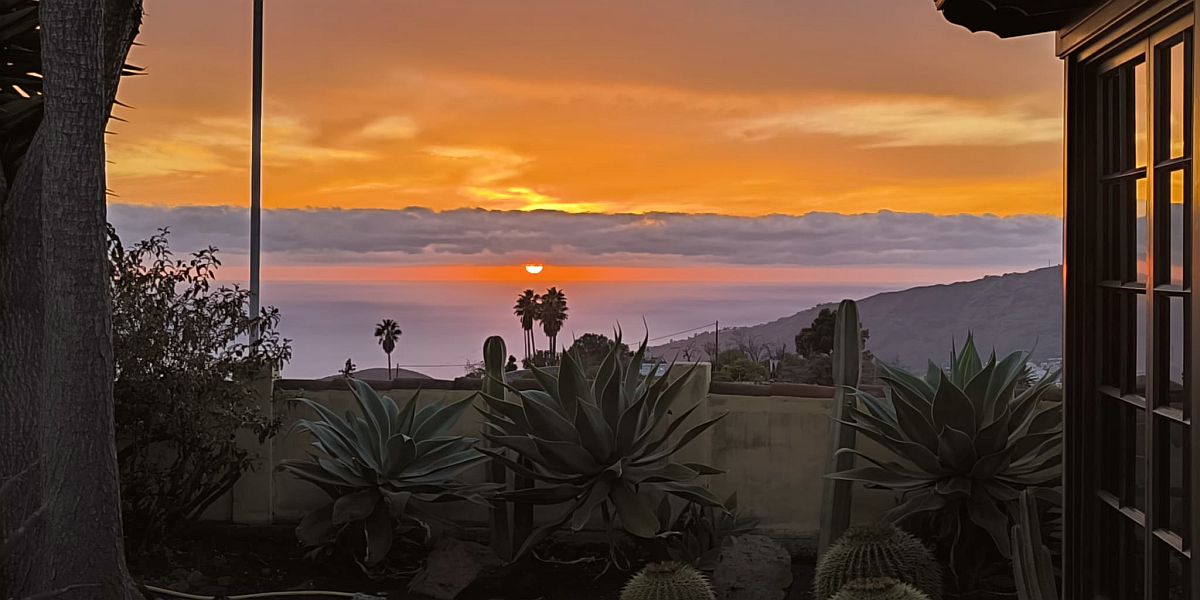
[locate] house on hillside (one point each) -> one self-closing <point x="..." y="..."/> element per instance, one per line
<point x="1132" y="457"/>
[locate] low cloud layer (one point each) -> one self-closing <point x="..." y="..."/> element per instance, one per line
<point x="421" y="236"/>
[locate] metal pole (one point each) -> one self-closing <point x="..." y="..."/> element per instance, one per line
<point x="256" y="169"/>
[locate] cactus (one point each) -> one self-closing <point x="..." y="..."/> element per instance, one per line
<point x="1033" y="570"/>
<point x="847" y="368"/>
<point x="668" y="581"/>
<point x="879" y="588"/>
<point x="493" y="383"/>
<point x="884" y="551"/>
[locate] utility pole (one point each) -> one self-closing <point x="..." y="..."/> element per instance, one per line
<point x="256" y="170"/>
<point x="716" y="345"/>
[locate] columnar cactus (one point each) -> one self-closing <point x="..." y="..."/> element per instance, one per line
<point x="873" y="552"/>
<point x="879" y="588"/>
<point x="668" y="581"/>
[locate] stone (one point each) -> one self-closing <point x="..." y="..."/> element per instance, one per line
<point x="197" y="579"/>
<point x="225" y="581"/>
<point x="452" y="566"/>
<point x="753" y="567"/>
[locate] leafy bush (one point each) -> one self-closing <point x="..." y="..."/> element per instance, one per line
<point x="383" y="467"/>
<point x="181" y="367"/>
<point x="699" y="532"/>
<point x="972" y="438"/>
<point x="603" y="446"/>
<point x="741" y="369"/>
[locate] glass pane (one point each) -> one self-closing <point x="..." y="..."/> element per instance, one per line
<point x="1141" y="241"/>
<point x="1176" y="572"/>
<point x="1122" y="562"/>
<point x="1138" y="343"/>
<point x="1175" y="232"/>
<point x="1177" y="100"/>
<point x="1176" y="325"/>
<point x="1140" y="115"/>
<point x="1172" y="449"/>
<point x="1122" y="468"/>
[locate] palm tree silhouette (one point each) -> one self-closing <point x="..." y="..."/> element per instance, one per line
<point x="388" y="332"/>
<point x="552" y="316"/>
<point x="527" y="308"/>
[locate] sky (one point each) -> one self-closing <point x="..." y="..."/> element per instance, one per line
<point x="850" y="142"/>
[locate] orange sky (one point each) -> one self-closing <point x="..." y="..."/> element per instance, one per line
<point x="740" y="107"/>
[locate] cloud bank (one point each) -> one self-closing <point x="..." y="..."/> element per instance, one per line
<point x="418" y="236"/>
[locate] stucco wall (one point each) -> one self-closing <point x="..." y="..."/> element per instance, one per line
<point x="773" y="444"/>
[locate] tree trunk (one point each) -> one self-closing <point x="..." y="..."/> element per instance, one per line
<point x="56" y="412"/>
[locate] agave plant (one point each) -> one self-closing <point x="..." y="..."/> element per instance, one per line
<point x="605" y="446"/>
<point x="971" y="438"/>
<point x="382" y="467"/>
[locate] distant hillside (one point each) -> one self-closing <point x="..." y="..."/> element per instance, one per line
<point x="1016" y="311"/>
<point x="381" y="374"/>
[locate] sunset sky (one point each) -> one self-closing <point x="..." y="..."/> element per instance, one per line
<point x="658" y="156"/>
<point x="735" y="107"/>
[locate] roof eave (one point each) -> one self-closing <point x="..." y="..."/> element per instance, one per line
<point x="1010" y="18"/>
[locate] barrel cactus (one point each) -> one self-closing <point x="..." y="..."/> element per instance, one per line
<point x="668" y="581"/>
<point x="873" y="552"/>
<point x="879" y="588"/>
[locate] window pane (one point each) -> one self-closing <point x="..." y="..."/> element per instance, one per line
<point x="1173" y="220"/>
<point x="1177" y="573"/>
<point x="1172" y="446"/>
<point x="1141" y="224"/>
<point x="1122" y="468"/>
<point x="1122" y="562"/>
<point x="1173" y="365"/>
<point x="1177" y="100"/>
<point x="1140" y="115"/>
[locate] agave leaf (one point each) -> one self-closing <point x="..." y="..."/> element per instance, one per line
<point x="546" y="495"/>
<point x="888" y="465"/>
<point x="525" y="471"/>
<point x="597" y="495"/>
<point x="917" y="502"/>
<point x="967" y="364"/>
<point x="330" y="441"/>
<point x="976" y="392"/>
<point x="984" y="512"/>
<point x="317" y="528"/>
<point x="954" y="486"/>
<point x="443" y="419"/>
<point x="884" y="427"/>
<point x="372" y="408"/>
<point x="636" y="516"/>
<point x="355" y="506"/>
<point x="692" y="492"/>
<point x="368" y="445"/>
<point x="880" y="408"/>
<point x="522" y="444"/>
<point x="670" y="392"/>
<point x="572" y="385"/>
<point x="686" y="438"/>
<point x="914" y="424"/>
<point x="627" y="426"/>
<point x="952" y="408"/>
<point x="400" y="451"/>
<point x="313" y="472"/>
<point x="336" y="423"/>
<point x="594" y="432"/>
<point x="633" y="378"/>
<point x="547" y="380"/>
<point x="1003" y="385"/>
<point x="540" y="533"/>
<point x="444" y="467"/>
<point x="547" y="422"/>
<point x="709" y="470"/>
<point x="924" y="389"/>
<point x="510" y="411"/>
<point x="993" y="437"/>
<point x="991" y="465"/>
<point x="341" y="470"/>
<point x="567" y="457"/>
<point x="879" y="476"/>
<point x="1026" y="444"/>
<point x="955" y="449"/>
<point x="641" y="449"/>
<point x="998" y="490"/>
<point x="911" y="451"/>
<point x="654" y="474"/>
<point x="379" y="532"/>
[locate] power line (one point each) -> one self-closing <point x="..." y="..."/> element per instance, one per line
<point x="670" y="335"/>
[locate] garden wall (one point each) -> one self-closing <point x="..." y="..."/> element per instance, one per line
<point x="773" y="445"/>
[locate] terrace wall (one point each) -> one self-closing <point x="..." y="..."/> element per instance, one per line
<point x="773" y="445"/>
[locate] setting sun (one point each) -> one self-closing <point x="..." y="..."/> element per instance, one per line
<point x="534" y="269"/>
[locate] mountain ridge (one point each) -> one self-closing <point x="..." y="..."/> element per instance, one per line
<point x="1009" y="312"/>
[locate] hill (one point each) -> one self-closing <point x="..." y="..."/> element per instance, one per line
<point x="381" y="374"/>
<point x="1015" y="311"/>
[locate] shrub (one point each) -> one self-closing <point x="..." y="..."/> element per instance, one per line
<point x="699" y="532"/>
<point x="181" y="365"/>
<point x="605" y="446"/>
<point x="741" y="369"/>
<point x="383" y="467"/>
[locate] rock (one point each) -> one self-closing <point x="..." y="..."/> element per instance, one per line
<point x="753" y="567"/>
<point x="179" y="574"/>
<point x="224" y="581"/>
<point x="451" y="567"/>
<point x="197" y="579"/>
<point x="179" y="585"/>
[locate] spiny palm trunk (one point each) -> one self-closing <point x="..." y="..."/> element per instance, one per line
<point x="389" y="355"/>
<point x="56" y="403"/>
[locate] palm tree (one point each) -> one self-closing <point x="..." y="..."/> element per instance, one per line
<point x="552" y="316"/>
<point x="388" y="332"/>
<point x="527" y="307"/>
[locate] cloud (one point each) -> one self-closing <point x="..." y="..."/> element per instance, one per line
<point x="222" y="144"/>
<point x="394" y="127"/>
<point x="483" y="165"/>
<point x="908" y="122"/>
<point x="477" y="236"/>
